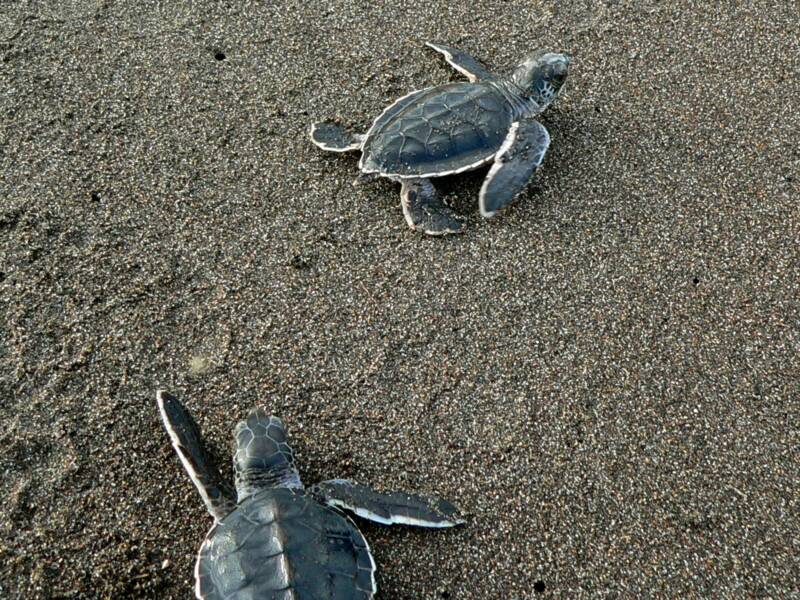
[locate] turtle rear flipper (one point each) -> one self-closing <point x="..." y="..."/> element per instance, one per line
<point x="186" y="439"/>
<point x="389" y="508"/>
<point x="426" y="211"/>
<point x="463" y="63"/>
<point x="263" y="456"/>
<point x="334" y="138"/>
<point x="515" y="163"/>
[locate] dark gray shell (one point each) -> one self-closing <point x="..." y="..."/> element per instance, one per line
<point x="279" y="540"/>
<point x="440" y="130"/>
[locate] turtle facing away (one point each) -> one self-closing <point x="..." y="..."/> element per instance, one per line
<point x="457" y="127"/>
<point x="274" y="539"/>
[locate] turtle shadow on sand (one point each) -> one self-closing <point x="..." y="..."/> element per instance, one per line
<point x="453" y="128"/>
<point x="572" y="128"/>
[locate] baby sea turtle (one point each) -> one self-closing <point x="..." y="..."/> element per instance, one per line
<point x="458" y="127"/>
<point x="275" y="539"/>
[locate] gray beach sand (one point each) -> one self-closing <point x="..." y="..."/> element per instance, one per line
<point x="605" y="377"/>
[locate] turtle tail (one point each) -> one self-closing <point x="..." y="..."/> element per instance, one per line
<point x="263" y="456"/>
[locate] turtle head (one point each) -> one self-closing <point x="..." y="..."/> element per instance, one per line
<point x="541" y="76"/>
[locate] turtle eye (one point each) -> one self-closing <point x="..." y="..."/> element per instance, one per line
<point x="558" y="77"/>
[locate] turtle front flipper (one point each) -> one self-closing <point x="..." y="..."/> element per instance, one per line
<point x="463" y="63"/>
<point x="389" y="508"/>
<point x="334" y="138"/>
<point x="263" y="456"/>
<point x="516" y="161"/>
<point x="186" y="439"/>
<point x="426" y="211"/>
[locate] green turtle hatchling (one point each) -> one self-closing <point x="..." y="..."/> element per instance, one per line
<point x="274" y="539"/>
<point x="458" y="127"/>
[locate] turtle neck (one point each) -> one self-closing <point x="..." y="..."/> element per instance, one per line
<point x="521" y="105"/>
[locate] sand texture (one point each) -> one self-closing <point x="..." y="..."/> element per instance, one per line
<point x="605" y="377"/>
